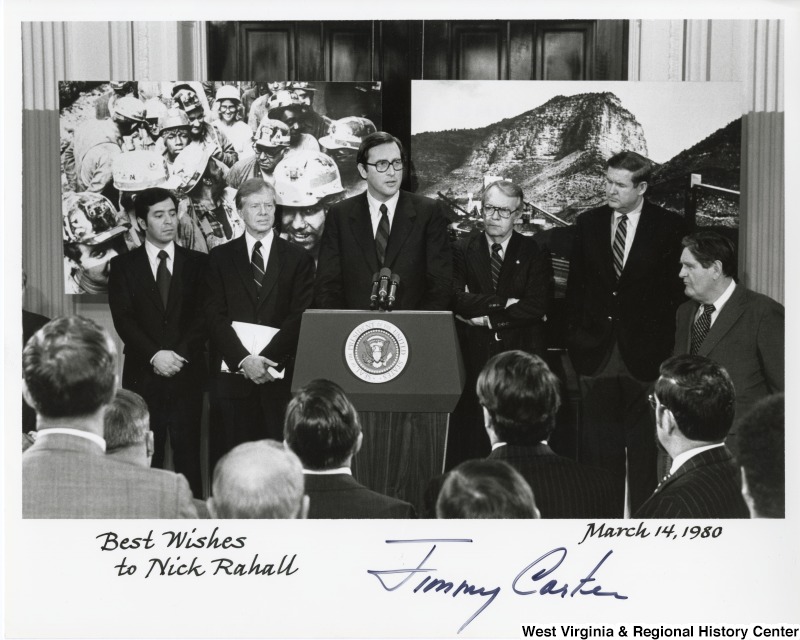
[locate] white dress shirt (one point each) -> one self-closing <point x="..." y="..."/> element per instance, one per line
<point x="681" y="459"/>
<point x="633" y="222"/>
<point x="152" y="256"/>
<point x="718" y="303"/>
<point x="266" y="246"/>
<point x="375" y="211"/>
<point x="503" y="245"/>
<point x="73" y="432"/>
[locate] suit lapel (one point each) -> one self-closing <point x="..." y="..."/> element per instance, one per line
<point x="479" y="260"/>
<point x="176" y="283"/>
<point x="242" y="263"/>
<point x="509" y="261"/>
<point x="641" y="246"/>
<point x="144" y="274"/>
<point x="728" y="317"/>
<point x="272" y="269"/>
<point x="404" y="217"/>
<point x="602" y="229"/>
<point x="361" y="227"/>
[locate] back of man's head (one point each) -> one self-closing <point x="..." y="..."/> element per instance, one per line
<point x="322" y="426"/>
<point x="261" y="479"/>
<point x="761" y="434"/>
<point x="69" y="368"/>
<point x="699" y="394"/>
<point x="521" y="396"/>
<point x="126" y="427"/>
<point x="485" y="489"/>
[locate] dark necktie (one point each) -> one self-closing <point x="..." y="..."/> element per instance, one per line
<point x="700" y="328"/>
<point x="382" y="236"/>
<point x="163" y="277"/>
<point x="497" y="263"/>
<point x="258" y="267"/>
<point x="619" y="244"/>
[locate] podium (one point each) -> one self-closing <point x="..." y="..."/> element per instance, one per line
<point x="404" y="373"/>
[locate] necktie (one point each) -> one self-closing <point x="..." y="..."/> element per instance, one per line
<point x="382" y="236"/>
<point x="619" y="244"/>
<point x="497" y="263"/>
<point x="700" y="327"/>
<point x="258" y="266"/>
<point x="163" y="277"/>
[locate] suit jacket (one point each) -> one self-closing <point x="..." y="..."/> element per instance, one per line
<point x="638" y="311"/>
<point x="341" y="496"/>
<point x="286" y="292"/>
<point x="562" y="488"/>
<point x="526" y="274"/>
<point x="705" y="486"/>
<point x="146" y="327"/>
<point x="747" y="338"/>
<point x="31" y="323"/>
<point x="418" y="250"/>
<point x="66" y="476"/>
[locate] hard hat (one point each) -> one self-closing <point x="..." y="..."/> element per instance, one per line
<point x="347" y="133"/>
<point x="228" y="92"/>
<point x="139" y="170"/>
<point x="172" y="119"/>
<point x="183" y="86"/>
<point x="304" y="178"/>
<point x="130" y="108"/>
<point x="189" y="167"/>
<point x="154" y="108"/>
<point x="272" y="133"/>
<point x="187" y="100"/>
<point x="305" y="93"/>
<point x="89" y="218"/>
<point x="121" y="85"/>
<point x="284" y="100"/>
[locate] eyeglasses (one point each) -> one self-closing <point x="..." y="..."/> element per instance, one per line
<point x="382" y="166"/>
<point x="195" y="118"/>
<point x="231" y="108"/>
<point x="489" y="211"/>
<point x="655" y="402"/>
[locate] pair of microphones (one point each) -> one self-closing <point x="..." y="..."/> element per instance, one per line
<point x="384" y="290"/>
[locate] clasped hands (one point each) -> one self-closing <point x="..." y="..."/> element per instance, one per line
<point x="483" y="321"/>
<point x="256" y="368"/>
<point x="167" y="363"/>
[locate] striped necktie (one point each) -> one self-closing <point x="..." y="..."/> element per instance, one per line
<point x="700" y="328"/>
<point x="258" y="266"/>
<point x="163" y="277"/>
<point x="619" y="244"/>
<point x="382" y="235"/>
<point x="497" y="263"/>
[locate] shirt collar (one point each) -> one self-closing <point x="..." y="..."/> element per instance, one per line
<point x="503" y="244"/>
<point x="251" y="241"/>
<point x="153" y="251"/>
<point x="375" y="205"/>
<point x="100" y="442"/>
<point x="720" y="302"/>
<point x="681" y="459"/>
<point x="328" y="472"/>
<point x="632" y="214"/>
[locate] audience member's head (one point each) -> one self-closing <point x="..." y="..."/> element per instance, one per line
<point x="261" y="479"/>
<point x="761" y="434"/>
<point x="69" y="368"/>
<point x="322" y="426"/>
<point x="694" y="403"/>
<point x="485" y="489"/>
<point x="126" y="429"/>
<point x="520" y="398"/>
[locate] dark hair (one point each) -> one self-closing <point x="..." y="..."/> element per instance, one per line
<point x="507" y="188"/>
<point x="700" y="395"/>
<point x="762" y="441"/>
<point x="638" y="165"/>
<point x="374" y="140"/>
<point x="251" y="186"/>
<point x="707" y="247"/>
<point x="69" y="367"/>
<point x="126" y="420"/>
<point x="521" y="395"/>
<point x="321" y="425"/>
<point x="485" y="489"/>
<point x="147" y="198"/>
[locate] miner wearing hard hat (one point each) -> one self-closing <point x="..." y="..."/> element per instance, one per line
<point x="228" y="104"/>
<point x="174" y="134"/>
<point x="201" y="131"/>
<point x="154" y="110"/>
<point x="270" y="143"/>
<point x="307" y="183"/>
<point x="342" y="142"/>
<point x="287" y="107"/>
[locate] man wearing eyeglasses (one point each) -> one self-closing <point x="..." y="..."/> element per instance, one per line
<point x="502" y="282"/>
<point x="694" y="405"/>
<point x="384" y="227"/>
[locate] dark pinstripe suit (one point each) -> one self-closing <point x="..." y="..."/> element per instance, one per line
<point x="705" y="486"/>
<point x="562" y="488"/>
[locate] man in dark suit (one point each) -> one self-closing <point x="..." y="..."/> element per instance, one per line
<point x="263" y="281"/>
<point x="622" y="293"/>
<point x="154" y="296"/>
<point x="740" y="329"/>
<point x="502" y="283"/>
<point x="384" y="227"/>
<point x="69" y="372"/>
<point x="322" y="428"/>
<point x="693" y="402"/>
<point x="520" y="399"/>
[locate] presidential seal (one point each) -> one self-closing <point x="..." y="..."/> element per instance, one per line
<point x="376" y="351"/>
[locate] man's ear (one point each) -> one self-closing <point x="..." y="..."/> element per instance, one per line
<point x="304" y="507"/>
<point x="150" y="445"/>
<point x="487" y="419"/>
<point x="748" y="498"/>
<point x="362" y="170"/>
<point x="359" y="442"/>
<point x="142" y="223"/>
<point x="641" y="187"/>
<point x="211" y="510"/>
<point x="26" y="394"/>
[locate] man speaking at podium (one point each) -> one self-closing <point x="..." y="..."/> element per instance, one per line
<point x="384" y="228"/>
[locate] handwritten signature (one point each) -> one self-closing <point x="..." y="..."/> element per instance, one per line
<point x="533" y="579"/>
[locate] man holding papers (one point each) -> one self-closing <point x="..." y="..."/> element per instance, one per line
<point x="258" y="286"/>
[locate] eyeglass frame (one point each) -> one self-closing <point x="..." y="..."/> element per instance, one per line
<point x="656" y="403"/>
<point x="392" y="164"/>
<point x="491" y="210"/>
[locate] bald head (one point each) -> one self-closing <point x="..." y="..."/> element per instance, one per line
<point x="260" y="479"/>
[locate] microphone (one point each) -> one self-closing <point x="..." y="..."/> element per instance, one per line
<point x="373" y="297"/>
<point x="394" y="281"/>
<point x="383" y="286"/>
